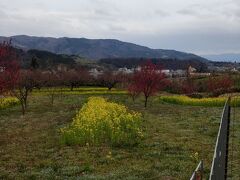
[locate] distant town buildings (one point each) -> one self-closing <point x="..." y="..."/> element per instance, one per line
<point x="192" y="72"/>
<point x="95" y="72"/>
<point x="178" y="73"/>
<point x="167" y="72"/>
<point x="191" y="69"/>
<point x="221" y="69"/>
<point x="125" y="70"/>
<point x="62" y="68"/>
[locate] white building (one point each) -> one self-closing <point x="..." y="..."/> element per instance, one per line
<point x="2" y="69"/>
<point x="95" y="73"/>
<point x="166" y="72"/>
<point x="178" y="72"/>
<point x="125" y="70"/>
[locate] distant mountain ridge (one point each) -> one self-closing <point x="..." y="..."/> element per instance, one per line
<point x="229" y="57"/>
<point x="95" y="48"/>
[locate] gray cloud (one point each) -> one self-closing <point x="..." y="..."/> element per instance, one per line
<point x="189" y="25"/>
<point x="162" y="13"/>
<point x="2" y="14"/>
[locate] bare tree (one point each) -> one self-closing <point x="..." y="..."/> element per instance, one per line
<point x="23" y="88"/>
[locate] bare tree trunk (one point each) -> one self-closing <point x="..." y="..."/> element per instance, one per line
<point x="133" y="98"/>
<point x="25" y="101"/>
<point x="52" y="99"/>
<point x="23" y="107"/>
<point x="145" y="102"/>
<point x="1" y="99"/>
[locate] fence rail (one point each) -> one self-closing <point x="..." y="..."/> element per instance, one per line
<point x="198" y="173"/>
<point x="220" y="158"/>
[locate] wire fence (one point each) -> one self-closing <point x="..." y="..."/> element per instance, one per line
<point x="220" y="158"/>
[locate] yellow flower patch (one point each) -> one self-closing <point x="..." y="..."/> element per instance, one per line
<point x="7" y="102"/>
<point x="100" y="121"/>
<point x="184" y="100"/>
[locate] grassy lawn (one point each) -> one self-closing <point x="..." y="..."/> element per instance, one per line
<point x="176" y="138"/>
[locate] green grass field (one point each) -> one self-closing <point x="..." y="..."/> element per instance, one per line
<point x="176" y="138"/>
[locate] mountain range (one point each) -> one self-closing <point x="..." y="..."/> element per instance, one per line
<point x="95" y="49"/>
<point x="229" y="57"/>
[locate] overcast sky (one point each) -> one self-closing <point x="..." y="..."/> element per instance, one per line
<point x="198" y="26"/>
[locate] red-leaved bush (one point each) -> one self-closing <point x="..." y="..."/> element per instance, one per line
<point x="219" y="85"/>
<point x="187" y="86"/>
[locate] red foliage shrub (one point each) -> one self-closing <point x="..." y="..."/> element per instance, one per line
<point x="219" y="85"/>
<point x="187" y="86"/>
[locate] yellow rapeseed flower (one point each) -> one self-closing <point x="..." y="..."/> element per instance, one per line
<point x="100" y="121"/>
